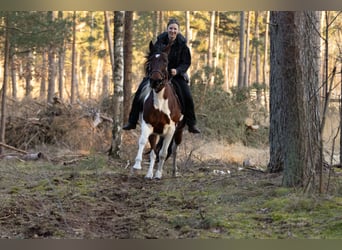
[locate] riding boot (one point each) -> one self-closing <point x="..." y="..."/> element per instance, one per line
<point x="188" y="107"/>
<point x="137" y="107"/>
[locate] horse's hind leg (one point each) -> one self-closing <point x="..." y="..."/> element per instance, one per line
<point x="174" y="160"/>
<point x="176" y="142"/>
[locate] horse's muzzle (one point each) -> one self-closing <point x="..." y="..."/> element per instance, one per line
<point x="156" y="84"/>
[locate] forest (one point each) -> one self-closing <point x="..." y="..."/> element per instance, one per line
<point x="267" y="92"/>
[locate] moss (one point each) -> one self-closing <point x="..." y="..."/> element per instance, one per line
<point x="334" y="230"/>
<point x="282" y="191"/>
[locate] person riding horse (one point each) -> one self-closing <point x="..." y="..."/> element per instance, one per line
<point x="179" y="62"/>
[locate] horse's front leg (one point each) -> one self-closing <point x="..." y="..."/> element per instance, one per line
<point x="146" y="130"/>
<point x="149" y="174"/>
<point x="152" y="140"/>
<point x="162" y="155"/>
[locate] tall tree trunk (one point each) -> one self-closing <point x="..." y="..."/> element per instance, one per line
<point x="217" y="46"/>
<point x="295" y="137"/>
<point x="264" y="67"/>
<point x="241" y="50"/>
<point x="51" y="73"/>
<point x="5" y="79"/>
<point x="42" y="89"/>
<point x="118" y="84"/>
<point x="52" y="65"/>
<point x="110" y="42"/>
<point x="128" y="52"/>
<point x="61" y="58"/>
<point x="14" y="76"/>
<point x="73" y="61"/>
<point x="246" y="77"/>
<point x="61" y="72"/>
<point x="341" y="110"/>
<point x="28" y="74"/>
<point x="257" y="55"/>
<point x="188" y="35"/>
<point x="211" y="39"/>
<point x="90" y="78"/>
<point x="226" y="66"/>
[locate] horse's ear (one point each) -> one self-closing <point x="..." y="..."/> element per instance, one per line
<point x="151" y="45"/>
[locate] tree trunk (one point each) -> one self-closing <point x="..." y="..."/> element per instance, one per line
<point x="42" y="90"/>
<point x="246" y="77"/>
<point x="61" y="58"/>
<point x="294" y="109"/>
<point x="90" y="78"/>
<point x="226" y="66"/>
<point x="241" y="51"/>
<point x="5" y="79"/>
<point x="51" y="73"/>
<point x="211" y="39"/>
<point x="128" y="52"/>
<point x="73" y="61"/>
<point x="188" y="35"/>
<point x="110" y="41"/>
<point x="61" y="72"/>
<point x="341" y="110"/>
<point x="14" y="76"/>
<point x="52" y="65"/>
<point x="118" y="84"/>
<point x="28" y="74"/>
<point x="257" y="56"/>
<point x="264" y="67"/>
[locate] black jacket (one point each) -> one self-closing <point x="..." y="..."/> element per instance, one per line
<point x="179" y="56"/>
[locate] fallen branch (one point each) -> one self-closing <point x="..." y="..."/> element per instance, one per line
<point x="26" y="157"/>
<point x="33" y="156"/>
<point x="12" y="148"/>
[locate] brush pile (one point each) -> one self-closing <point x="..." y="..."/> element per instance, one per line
<point x="76" y="127"/>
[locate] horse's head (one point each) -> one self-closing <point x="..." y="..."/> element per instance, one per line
<point x="156" y="67"/>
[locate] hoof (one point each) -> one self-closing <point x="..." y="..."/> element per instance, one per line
<point x="158" y="175"/>
<point x="137" y="167"/>
<point x="149" y="176"/>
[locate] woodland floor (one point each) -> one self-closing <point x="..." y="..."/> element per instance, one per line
<point x="74" y="191"/>
<point x="85" y="195"/>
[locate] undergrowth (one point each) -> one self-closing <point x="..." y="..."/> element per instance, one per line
<point x="222" y="115"/>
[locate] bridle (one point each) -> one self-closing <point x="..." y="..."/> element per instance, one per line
<point x="158" y="84"/>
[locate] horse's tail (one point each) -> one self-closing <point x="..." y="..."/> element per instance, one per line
<point x="145" y="90"/>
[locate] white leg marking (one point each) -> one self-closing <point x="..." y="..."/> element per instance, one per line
<point x="163" y="151"/>
<point x="149" y="174"/>
<point x="146" y="130"/>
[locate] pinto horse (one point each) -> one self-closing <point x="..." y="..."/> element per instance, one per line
<point x="162" y="120"/>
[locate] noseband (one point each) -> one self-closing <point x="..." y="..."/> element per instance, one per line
<point x="157" y="84"/>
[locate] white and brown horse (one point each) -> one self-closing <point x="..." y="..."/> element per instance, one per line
<point x="162" y="121"/>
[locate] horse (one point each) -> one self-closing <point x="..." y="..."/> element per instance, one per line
<point x="162" y="120"/>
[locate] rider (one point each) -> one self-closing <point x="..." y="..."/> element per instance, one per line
<point x="179" y="62"/>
